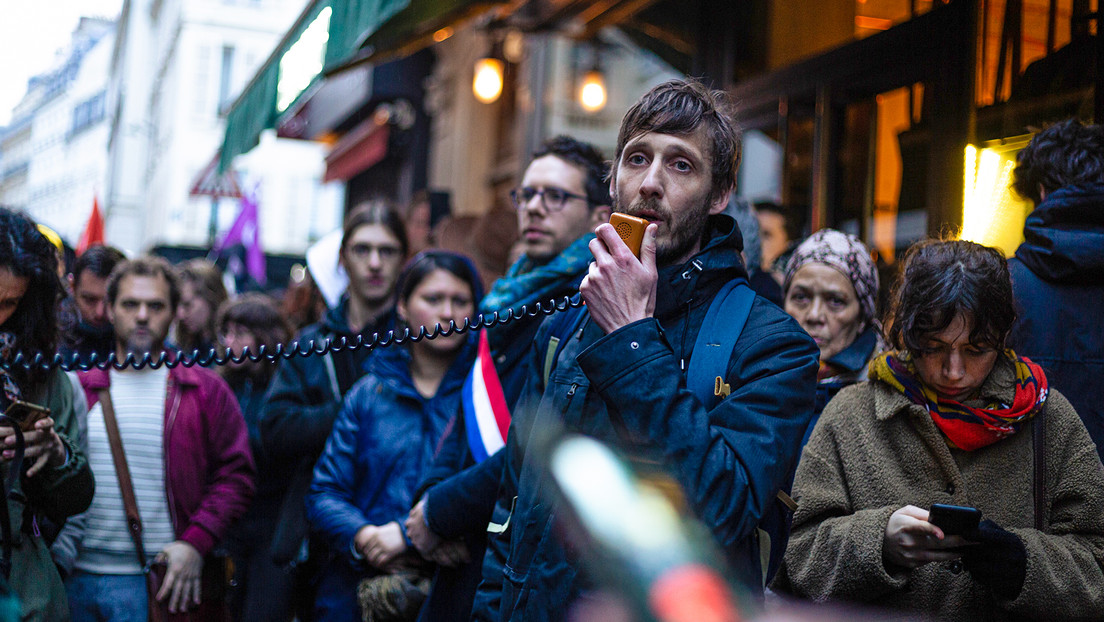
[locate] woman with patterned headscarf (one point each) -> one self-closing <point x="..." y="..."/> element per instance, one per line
<point x="951" y="416"/>
<point x="831" y="286"/>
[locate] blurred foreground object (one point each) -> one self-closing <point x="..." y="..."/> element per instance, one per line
<point x="662" y="562"/>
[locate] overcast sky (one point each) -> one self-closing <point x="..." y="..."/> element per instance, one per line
<point x="31" y="33"/>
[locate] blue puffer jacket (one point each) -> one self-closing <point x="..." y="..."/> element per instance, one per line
<point x="1058" y="280"/>
<point x="382" y="444"/>
<point x="626" y="388"/>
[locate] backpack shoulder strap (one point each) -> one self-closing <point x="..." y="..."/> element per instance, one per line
<point x="563" y="325"/>
<point x="723" y="323"/>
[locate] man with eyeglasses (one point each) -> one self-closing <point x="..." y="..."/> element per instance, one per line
<point x="561" y="199"/>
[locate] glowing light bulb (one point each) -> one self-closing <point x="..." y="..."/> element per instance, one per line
<point x="487" y="83"/>
<point x="592" y="94"/>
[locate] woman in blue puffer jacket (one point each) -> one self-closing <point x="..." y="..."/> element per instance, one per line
<point x="385" y="439"/>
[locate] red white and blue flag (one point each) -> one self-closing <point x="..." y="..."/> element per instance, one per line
<point x="486" y="416"/>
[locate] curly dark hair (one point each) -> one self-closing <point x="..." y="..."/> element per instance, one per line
<point x="942" y="279"/>
<point x="585" y="156"/>
<point x="26" y="253"/>
<point x="1064" y="154"/>
<point x="681" y="107"/>
<point x="259" y="314"/>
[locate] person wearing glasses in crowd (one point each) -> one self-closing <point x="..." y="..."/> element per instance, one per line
<point x="383" y="442"/>
<point x="561" y="199"/>
<point x="305" y="395"/>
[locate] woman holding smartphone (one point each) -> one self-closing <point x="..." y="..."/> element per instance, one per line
<point x="55" y="480"/>
<point x="951" y="417"/>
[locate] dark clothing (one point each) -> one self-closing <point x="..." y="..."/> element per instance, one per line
<point x="1058" y="281"/>
<point x="850" y="366"/>
<point x="460" y="495"/>
<point x="765" y="285"/>
<point x="262" y="588"/>
<point x="54" y="493"/>
<point x="87" y="339"/>
<point x="365" y="476"/>
<point x="626" y="388"/>
<point x="302" y="403"/>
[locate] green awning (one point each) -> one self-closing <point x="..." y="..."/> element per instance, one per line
<point x="258" y="107"/>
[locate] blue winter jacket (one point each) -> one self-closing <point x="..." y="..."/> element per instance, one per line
<point x="1058" y="281"/>
<point x="381" y="446"/>
<point x="626" y="388"/>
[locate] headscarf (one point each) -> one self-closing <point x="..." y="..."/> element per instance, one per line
<point x="848" y="255"/>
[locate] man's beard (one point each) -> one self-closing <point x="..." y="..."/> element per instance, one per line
<point x="143" y="345"/>
<point x="681" y="236"/>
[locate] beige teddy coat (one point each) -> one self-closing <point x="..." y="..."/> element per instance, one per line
<point x="873" y="452"/>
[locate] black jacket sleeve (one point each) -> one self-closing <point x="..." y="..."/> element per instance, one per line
<point x="464" y="503"/>
<point x="299" y="411"/>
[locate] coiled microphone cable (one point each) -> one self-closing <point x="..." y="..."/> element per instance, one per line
<point x="313" y="347"/>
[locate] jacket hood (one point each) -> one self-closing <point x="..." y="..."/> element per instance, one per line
<point x="391" y="365"/>
<point x="1064" y="236"/>
<point x="716" y="263"/>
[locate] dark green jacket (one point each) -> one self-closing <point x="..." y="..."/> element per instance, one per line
<point x="56" y="494"/>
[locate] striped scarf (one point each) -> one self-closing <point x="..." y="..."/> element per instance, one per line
<point x="966" y="427"/>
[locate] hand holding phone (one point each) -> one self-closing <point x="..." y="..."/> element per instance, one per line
<point x="26" y="414"/>
<point x="43" y="447"/>
<point x="954" y="520"/>
<point x="630" y="229"/>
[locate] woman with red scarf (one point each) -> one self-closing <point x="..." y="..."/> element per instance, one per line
<point x="951" y="416"/>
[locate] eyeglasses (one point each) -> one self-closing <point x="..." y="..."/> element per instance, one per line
<point x="363" y="251"/>
<point x="552" y="198"/>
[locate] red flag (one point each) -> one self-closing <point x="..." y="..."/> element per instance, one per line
<point x="93" y="230"/>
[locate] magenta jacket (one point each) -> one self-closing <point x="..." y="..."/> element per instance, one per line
<point x="209" y="472"/>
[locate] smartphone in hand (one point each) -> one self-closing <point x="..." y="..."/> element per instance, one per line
<point x="630" y="229"/>
<point x="26" y="414"/>
<point x="954" y="520"/>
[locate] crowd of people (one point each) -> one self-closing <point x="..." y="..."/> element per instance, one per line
<point x="410" y="482"/>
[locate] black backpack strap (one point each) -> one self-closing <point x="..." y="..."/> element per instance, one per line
<point x="15" y="469"/>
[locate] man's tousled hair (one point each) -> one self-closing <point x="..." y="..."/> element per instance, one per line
<point x="147" y="265"/>
<point x="681" y="107"/>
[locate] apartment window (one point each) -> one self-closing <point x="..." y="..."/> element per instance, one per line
<point x="87" y="113"/>
<point x="225" y="75"/>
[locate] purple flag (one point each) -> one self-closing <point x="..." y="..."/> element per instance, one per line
<point x="246" y="231"/>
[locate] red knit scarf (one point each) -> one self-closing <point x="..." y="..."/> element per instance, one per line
<point x="967" y="427"/>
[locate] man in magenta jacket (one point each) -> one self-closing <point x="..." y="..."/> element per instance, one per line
<point x="187" y="449"/>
